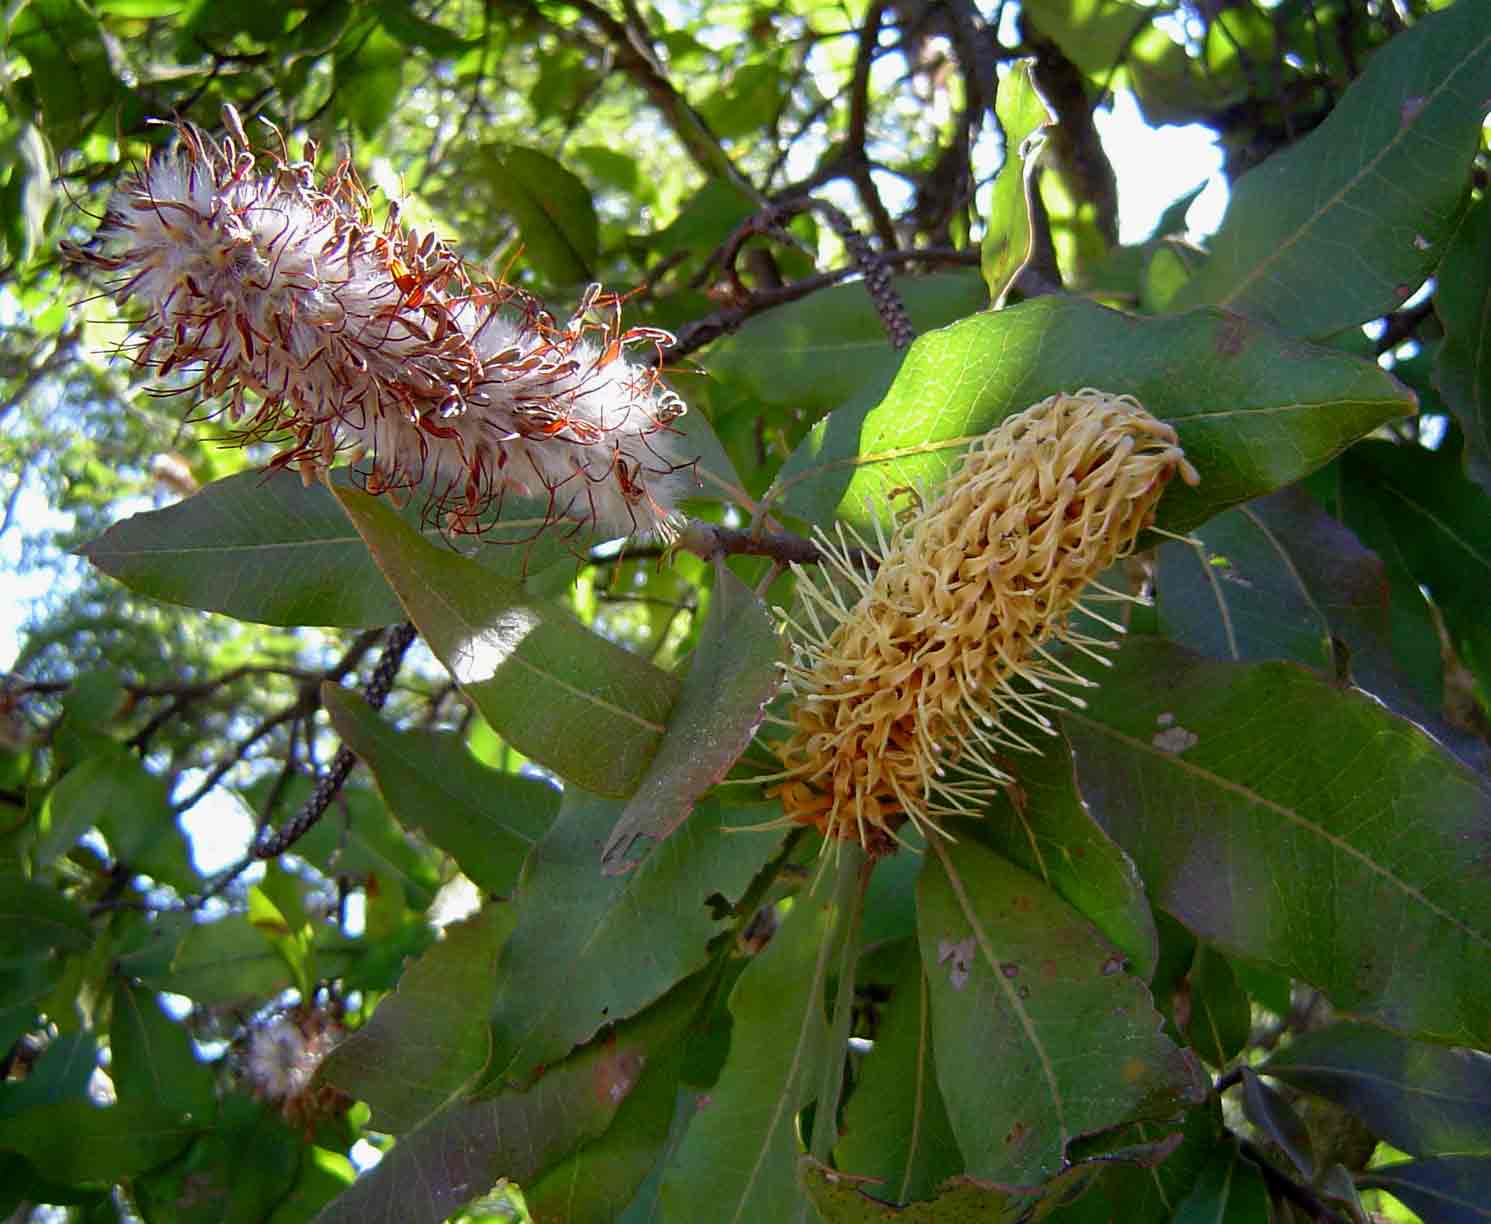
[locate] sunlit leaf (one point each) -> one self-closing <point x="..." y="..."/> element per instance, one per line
<point x="264" y="546"/>
<point x="1022" y="113"/>
<point x="548" y="685"/>
<point x="552" y="209"/>
<point x="1386" y="173"/>
<point x="1254" y="410"/>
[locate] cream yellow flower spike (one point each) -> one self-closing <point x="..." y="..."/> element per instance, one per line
<point x="939" y="657"/>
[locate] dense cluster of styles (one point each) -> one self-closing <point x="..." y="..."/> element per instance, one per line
<point x="926" y="655"/>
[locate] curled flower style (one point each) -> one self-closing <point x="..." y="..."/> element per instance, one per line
<point x="930" y="655"/>
<point x="344" y="338"/>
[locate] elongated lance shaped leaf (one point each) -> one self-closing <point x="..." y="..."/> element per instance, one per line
<point x="1439" y="1189"/>
<point x="1041" y="825"/>
<point x="1421" y="1098"/>
<point x="1041" y="1037"/>
<point x="1301" y="826"/>
<point x="548" y="685"/>
<point x="487" y="821"/>
<point x="731" y="676"/>
<point x="1007" y="242"/>
<point x="895" y="1125"/>
<point x="1462" y="367"/>
<point x="266" y="547"/>
<point x="590" y="949"/>
<point x="740" y="1152"/>
<point x="1254" y="409"/>
<point x="460" y="1152"/>
<point x="433" y="1028"/>
<point x="1386" y="174"/>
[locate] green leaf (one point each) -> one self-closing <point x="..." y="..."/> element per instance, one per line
<point x="152" y="1060"/>
<point x="462" y="1151"/>
<point x="1421" y="1098"/>
<point x="895" y="1126"/>
<point x="224" y="963"/>
<point x="1230" y="1190"/>
<point x="1462" y="368"/>
<point x="76" y="1142"/>
<point x="433" y="1028"/>
<point x="594" y="1182"/>
<point x="1439" y="1189"/>
<point x="1386" y="173"/>
<point x="114" y="792"/>
<point x="1280" y="579"/>
<point x="548" y="686"/>
<point x="814" y="355"/>
<point x="552" y="209"/>
<point x="1300" y="826"/>
<point x="262" y="546"/>
<point x="35" y="917"/>
<point x="1042" y="826"/>
<point x="590" y="950"/>
<point x="487" y="821"/>
<point x="1149" y="1193"/>
<point x="71" y="75"/>
<point x="1254" y="410"/>
<point x="1219" y="1017"/>
<point x="1275" y="1117"/>
<point x="731" y="676"/>
<point x="1092" y="33"/>
<point x="412" y="30"/>
<point x="235" y="1173"/>
<point x="962" y="1200"/>
<point x="356" y="839"/>
<point x="1009" y="965"/>
<point x="1022" y="114"/>
<point x="740" y="1152"/>
<point x="62" y="1073"/>
<point x="368" y="71"/>
<point x="1420" y="506"/>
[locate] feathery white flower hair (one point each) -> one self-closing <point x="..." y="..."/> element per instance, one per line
<point x="347" y="339"/>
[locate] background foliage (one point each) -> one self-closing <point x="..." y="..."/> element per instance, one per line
<point x="1224" y="952"/>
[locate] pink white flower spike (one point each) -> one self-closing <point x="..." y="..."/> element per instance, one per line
<point x="345" y="338"/>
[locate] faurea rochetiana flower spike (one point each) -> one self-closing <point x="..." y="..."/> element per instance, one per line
<point x="344" y="338"/>
<point x="922" y="659"/>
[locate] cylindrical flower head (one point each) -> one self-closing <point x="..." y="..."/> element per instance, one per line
<point x="344" y="338"/>
<point x="938" y="658"/>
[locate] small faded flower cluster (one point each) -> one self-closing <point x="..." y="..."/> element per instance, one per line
<point x="914" y="674"/>
<point x="347" y="339"/>
<point x="281" y="1061"/>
